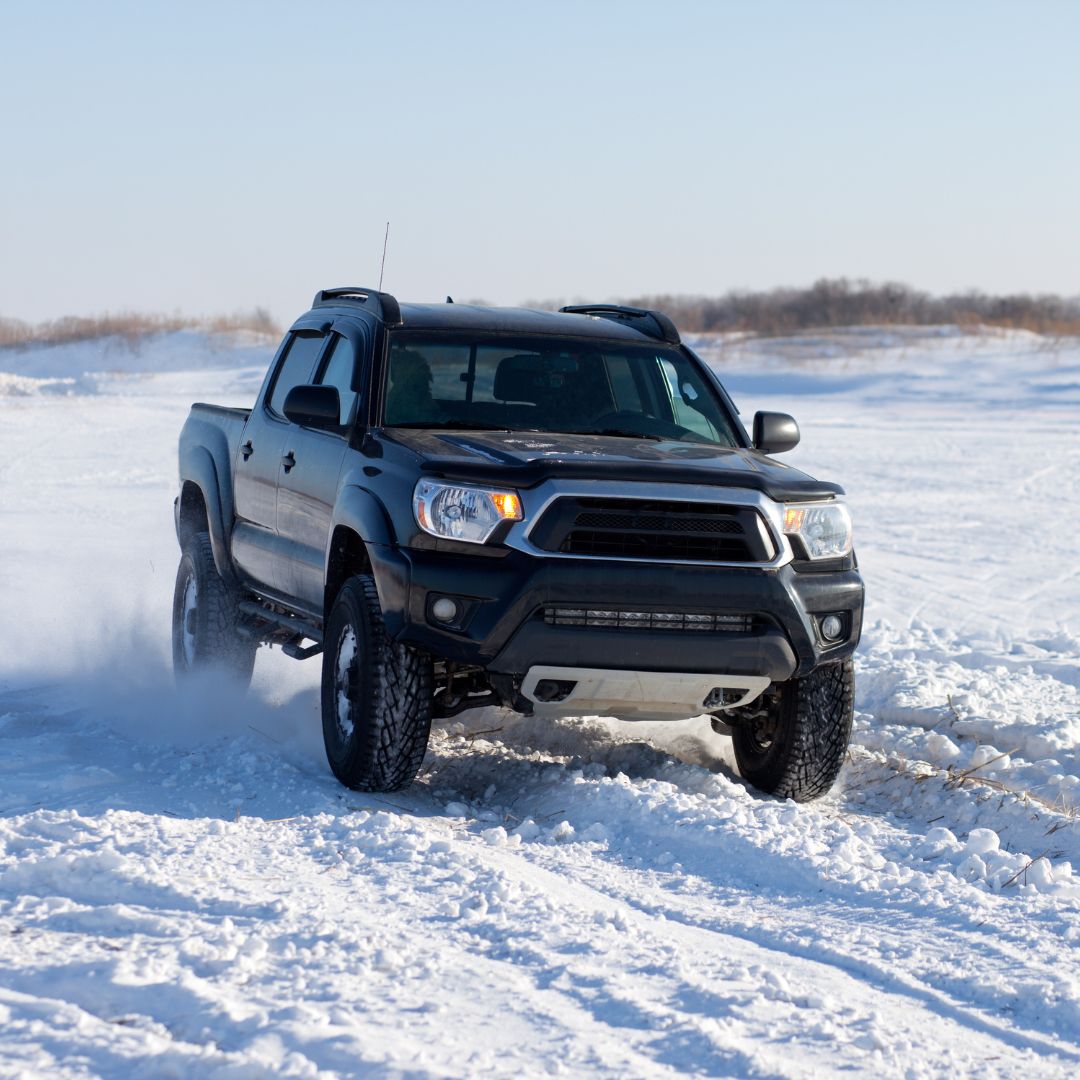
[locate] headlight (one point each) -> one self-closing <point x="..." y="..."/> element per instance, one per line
<point x="460" y="512"/>
<point x="823" y="528"/>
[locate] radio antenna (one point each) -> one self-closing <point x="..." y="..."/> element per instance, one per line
<point x="382" y="265"/>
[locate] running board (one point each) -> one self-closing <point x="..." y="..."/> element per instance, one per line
<point x="295" y="627"/>
<point x="298" y="652"/>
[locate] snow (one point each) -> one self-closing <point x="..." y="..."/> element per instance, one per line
<point x="179" y="350"/>
<point x="186" y="891"/>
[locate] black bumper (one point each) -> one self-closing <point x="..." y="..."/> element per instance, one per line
<point x="505" y="631"/>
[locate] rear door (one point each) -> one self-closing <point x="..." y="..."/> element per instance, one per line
<point x="311" y="468"/>
<point x="258" y="462"/>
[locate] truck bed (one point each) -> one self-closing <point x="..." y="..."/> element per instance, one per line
<point x="213" y="429"/>
<point x="225" y="410"/>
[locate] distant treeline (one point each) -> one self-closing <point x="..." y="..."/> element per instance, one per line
<point x="128" y="325"/>
<point x="841" y="302"/>
<point x="826" y="303"/>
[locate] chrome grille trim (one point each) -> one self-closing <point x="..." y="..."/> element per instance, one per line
<point x="537" y="500"/>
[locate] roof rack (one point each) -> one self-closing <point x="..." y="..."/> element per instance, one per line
<point x="381" y="304"/>
<point x="653" y="323"/>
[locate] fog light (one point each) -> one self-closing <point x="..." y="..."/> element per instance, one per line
<point x="444" y="609"/>
<point x="832" y="627"/>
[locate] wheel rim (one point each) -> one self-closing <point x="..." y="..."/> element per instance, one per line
<point x="761" y="732"/>
<point x="345" y="680"/>
<point x="188" y="618"/>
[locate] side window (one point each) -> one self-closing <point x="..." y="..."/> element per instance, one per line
<point x="684" y="398"/>
<point x="296" y="369"/>
<point x="340" y="371"/>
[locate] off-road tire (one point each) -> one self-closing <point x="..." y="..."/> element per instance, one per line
<point x="206" y="636"/>
<point x="792" y="743"/>
<point x="376" y="695"/>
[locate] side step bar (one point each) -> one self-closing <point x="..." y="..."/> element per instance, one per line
<point x="292" y="628"/>
<point x="294" y="649"/>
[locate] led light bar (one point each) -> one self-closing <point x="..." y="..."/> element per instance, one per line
<point x="647" y="620"/>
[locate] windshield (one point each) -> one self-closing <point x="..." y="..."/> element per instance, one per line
<point x="554" y="384"/>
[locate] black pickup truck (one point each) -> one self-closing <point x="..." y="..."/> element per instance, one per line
<point x="555" y="512"/>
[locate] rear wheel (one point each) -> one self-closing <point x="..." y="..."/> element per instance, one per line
<point x="376" y="695"/>
<point x="792" y="743"/>
<point x="206" y="619"/>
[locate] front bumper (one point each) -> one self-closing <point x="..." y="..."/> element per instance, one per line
<point x="505" y="632"/>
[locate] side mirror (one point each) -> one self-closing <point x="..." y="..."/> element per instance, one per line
<point x="775" y="432"/>
<point x="314" y="406"/>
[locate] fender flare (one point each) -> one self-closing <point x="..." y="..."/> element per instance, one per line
<point x="362" y="513"/>
<point x="198" y="467"/>
<point x="358" y="509"/>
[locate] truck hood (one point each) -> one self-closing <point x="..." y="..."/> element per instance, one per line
<point x="523" y="459"/>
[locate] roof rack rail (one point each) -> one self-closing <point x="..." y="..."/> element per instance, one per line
<point x="653" y="323"/>
<point x="380" y="303"/>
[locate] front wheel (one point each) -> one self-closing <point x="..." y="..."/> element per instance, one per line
<point x="376" y="695"/>
<point x="206" y="621"/>
<point x="792" y="743"/>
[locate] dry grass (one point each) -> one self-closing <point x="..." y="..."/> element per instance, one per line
<point x="824" y="305"/>
<point x="130" y="326"/>
<point x="895" y="765"/>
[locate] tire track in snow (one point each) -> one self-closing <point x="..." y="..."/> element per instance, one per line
<point x="821" y="968"/>
<point x="1012" y="959"/>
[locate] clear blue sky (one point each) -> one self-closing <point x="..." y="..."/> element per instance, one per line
<point x="214" y="156"/>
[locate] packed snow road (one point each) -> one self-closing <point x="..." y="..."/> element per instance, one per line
<point x="186" y="891"/>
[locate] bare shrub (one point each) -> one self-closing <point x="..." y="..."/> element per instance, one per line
<point x="258" y="319"/>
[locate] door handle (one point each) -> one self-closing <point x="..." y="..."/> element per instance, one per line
<point x="289" y="460"/>
<point x="247" y="450"/>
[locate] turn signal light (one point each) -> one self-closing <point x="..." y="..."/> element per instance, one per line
<point x="508" y="505"/>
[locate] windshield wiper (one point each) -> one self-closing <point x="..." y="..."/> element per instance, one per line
<point x="456" y="425"/>
<point x="623" y="433"/>
<point x="468" y="425"/>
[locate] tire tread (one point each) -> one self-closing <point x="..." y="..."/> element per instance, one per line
<point x="813" y="734"/>
<point x="219" y="642"/>
<point x="390" y="739"/>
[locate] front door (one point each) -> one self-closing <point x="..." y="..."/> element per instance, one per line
<point x="308" y="485"/>
<point x="258" y="464"/>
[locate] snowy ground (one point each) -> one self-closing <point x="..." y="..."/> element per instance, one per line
<point x="185" y="891"/>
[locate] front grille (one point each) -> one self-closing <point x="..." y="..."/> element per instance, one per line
<point x="605" y="519"/>
<point x="654" y="529"/>
<point x="681" y="621"/>
<point x="631" y="545"/>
